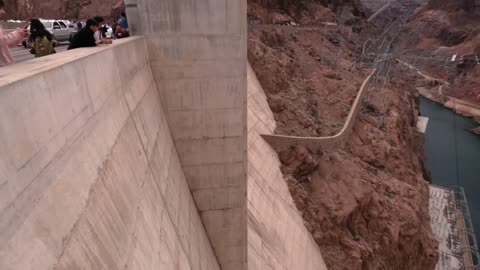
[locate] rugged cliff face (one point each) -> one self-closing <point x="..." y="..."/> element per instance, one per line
<point x="366" y="204"/>
<point x="443" y="29"/>
<point x="305" y="65"/>
<point x="60" y="9"/>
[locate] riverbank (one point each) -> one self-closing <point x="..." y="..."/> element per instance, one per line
<point x="461" y="107"/>
<point x="433" y="89"/>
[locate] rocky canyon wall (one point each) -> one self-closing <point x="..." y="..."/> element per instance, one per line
<point x="439" y="31"/>
<point x="63" y="9"/>
<point x="365" y="204"/>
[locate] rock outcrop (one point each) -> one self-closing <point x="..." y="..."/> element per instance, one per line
<point x="63" y="9"/>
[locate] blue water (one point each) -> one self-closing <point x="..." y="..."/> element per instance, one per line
<point x="453" y="154"/>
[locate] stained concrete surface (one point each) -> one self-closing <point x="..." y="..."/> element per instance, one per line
<point x="198" y="57"/>
<point x="90" y="177"/>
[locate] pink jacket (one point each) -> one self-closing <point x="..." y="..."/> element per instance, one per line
<point x="6" y="41"/>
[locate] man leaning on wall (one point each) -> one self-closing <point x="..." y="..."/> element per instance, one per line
<point x="9" y="40"/>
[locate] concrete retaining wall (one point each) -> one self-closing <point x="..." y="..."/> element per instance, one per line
<point x="277" y="237"/>
<point x="89" y="175"/>
<point x="280" y="142"/>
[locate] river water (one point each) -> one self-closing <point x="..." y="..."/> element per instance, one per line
<point x="453" y="154"/>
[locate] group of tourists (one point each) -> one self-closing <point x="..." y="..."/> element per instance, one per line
<point x="93" y="34"/>
<point x="90" y="34"/>
<point x="119" y="27"/>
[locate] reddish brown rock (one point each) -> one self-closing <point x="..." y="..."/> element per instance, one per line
<point x="63" y="9"/>
<point x="443" y="29"/>
<point x="366" y="204"/>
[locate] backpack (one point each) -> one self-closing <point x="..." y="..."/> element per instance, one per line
<point x="42" y="46"/>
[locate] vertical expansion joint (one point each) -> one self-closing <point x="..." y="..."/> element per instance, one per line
<point x="134" y="22"/>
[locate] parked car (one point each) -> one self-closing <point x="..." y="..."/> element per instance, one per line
<point x="61" y="30"/>
<point x="73" y="28"/>
<point x="58" y="29"/>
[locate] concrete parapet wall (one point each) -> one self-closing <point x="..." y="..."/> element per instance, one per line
<point x="89" y="174"/>
<point x="277" y="236"/>
<point x="280" y="142"/>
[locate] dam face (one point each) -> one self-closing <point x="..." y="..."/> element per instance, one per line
<point x="147" y="154"/>
<point x="91" y="178"/>
<point x="197" y="53"/>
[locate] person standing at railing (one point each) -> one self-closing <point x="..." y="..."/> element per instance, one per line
<point x="9" y="40"/>
<point x="120" y="32"/>
<point x="123" y="21"/>
<point x="86" y="36"/>
<point x="79" y="26"/>
<point x="102" y="31"/>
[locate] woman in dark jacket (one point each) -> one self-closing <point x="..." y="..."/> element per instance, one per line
<point x="42" y="41"/>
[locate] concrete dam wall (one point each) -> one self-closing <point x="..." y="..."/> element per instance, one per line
<point x="146" y="154"/>
<point x="90" y="177"/>
<point x="198" y="56"/>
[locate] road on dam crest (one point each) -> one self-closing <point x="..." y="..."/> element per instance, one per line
<point x="21" y="54"/>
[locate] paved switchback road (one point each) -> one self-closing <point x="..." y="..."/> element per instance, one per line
<point x="21" y="54"/>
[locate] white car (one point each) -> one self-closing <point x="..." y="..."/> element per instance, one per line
<point x="72" y="28"/>
<point x="58" y="28"/>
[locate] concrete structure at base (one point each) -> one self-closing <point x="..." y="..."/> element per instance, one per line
<point x="453" y="228"/>
<point x="444" y="226"/>
<point x="135" y="155"/>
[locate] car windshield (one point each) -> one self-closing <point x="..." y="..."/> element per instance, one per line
<point x="47" y="24"/>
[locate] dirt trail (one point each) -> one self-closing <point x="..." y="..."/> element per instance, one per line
<point x="442" y="83"/>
